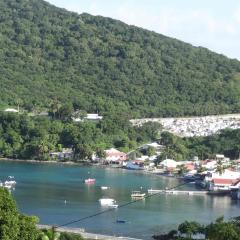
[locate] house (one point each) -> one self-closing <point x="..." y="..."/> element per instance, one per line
<point x="217" y="181"/>
<point x="158" y="148"/>
<point x="227" y="174"/>
<point x="189" y="166"/>
<point x="93" y="117"/>
<point x="113" y="155"/>
<point x="66" y="153"/>
<point x="168" y="164"/>
<point x="209" y="164"/>
<point x="89" y="116"/>
<point x="221" y="184"/>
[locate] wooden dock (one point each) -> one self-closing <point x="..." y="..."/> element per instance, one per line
<point x="86" y="235"/>
<point x="176" y="192"/>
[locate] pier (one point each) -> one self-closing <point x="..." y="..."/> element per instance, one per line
<point x="176" y="192"/>
<point x="86" y="235"/>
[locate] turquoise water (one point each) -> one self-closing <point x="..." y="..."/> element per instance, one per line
<point x="43" y="188"/>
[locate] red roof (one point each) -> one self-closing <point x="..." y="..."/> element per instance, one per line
<point x="189" y="166"/>
<point x="223" y="181"/>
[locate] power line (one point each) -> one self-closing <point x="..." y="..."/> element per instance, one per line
<point x="120" y="206"/>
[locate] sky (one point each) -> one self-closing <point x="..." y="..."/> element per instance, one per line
<point x="214" y="24"/>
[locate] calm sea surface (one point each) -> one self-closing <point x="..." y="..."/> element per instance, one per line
<point x="43" y="188"/>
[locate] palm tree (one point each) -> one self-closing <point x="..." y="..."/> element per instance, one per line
<point x="51" y="234"/>
<point x="220" y="169"/>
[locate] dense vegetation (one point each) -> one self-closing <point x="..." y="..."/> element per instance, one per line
<point x="104" y="65"/>
<point x="14" y="225"/>
<point x="226" y="142"/>
<point x="27" y="137"/>
<point x="219" y="230"/>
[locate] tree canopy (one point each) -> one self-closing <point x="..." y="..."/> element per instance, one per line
<point x="98" y="64"/>
<point x="27" y="137"/>
<point x="14" y="225"/>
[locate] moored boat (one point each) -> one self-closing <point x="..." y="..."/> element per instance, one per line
<point x="108" y="202"/>
<point x="90" y="180"/>
<point x="137" y="194"/>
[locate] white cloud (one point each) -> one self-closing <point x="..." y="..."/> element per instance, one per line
<point x="237" y="15"/>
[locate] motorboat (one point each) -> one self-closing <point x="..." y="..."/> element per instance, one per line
<point x="120" y="221"/>
<point x="90" y="180"/>
<point x="137" y="194"/>
<point x="108" y="202"/>
<point x="113" y="206"/>
<point x="104" y="187"/>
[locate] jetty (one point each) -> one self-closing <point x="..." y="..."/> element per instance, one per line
<point x="175" y="192"/>
<point x="86" y="235"/>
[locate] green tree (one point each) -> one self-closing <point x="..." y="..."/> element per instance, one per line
<point x="14" y="225"/>
<point x="221" y="230"/>
<point x="50" y="234"/>
<point x="189" y="228"/>
<point x="82" y="152"/>
<point x="9" y="216"/>
<point x="100" y="153"/>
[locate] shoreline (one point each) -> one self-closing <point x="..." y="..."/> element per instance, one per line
<point x="44" y="162"/>
<point x="86" y="235"/>
<point x="71" y="163"/>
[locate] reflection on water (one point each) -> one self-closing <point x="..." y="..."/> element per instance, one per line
<point x="57" y="194"/>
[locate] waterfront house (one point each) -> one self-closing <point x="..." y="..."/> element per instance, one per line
<point x="113" y="155"/>
<point x="224" y="181"/>
<point x="221" y="184"/>
<point x="168" y="163"/>
<point x="227" y="174"/>
<point x="65" y="154"/>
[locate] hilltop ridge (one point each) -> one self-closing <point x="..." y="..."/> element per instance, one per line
<point x="103" y="65"/>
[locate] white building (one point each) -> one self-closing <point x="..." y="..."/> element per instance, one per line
<point x="11" y="110"/>
<point x="168" y="163"/>
<point x="89" y="116"/>
<point x="93" y="116"/>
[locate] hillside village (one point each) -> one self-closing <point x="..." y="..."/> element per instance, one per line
<point x="194" y="126"/>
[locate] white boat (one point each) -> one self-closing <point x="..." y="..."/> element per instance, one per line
<point x="113" y="206"/>
<point x="137" y="194"/>
<point x="108" y="202"/>
<point x="104" y="187"/>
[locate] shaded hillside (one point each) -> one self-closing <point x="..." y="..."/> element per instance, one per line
<point x="104" y="65"/>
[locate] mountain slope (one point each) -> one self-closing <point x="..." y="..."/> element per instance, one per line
<point x="100" y="64"/>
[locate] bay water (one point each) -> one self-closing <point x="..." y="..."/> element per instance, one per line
<point x="57" y="194"/>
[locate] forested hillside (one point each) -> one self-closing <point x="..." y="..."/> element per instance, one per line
<point x="104" y="65"/>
